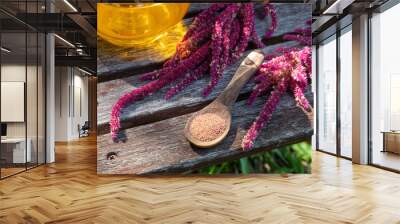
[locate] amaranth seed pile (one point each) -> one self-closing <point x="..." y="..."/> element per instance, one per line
<point x="207" y="127"/>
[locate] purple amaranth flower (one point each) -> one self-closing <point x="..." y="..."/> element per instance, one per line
<point x="307" y="60"/>
<point x="225" y="47"/>
<point x="188" y="80"/>
<point x="246" y="19"/>
<point x="298" y="93"/>
<point x="203" y="19"/>
<point x="264" y="84"/>
<point x="288" y="71"/>
<point x="235" y="37"/>
<point x="185" y="48"/>
<point x="139" y="93"/>
<point x="298" y="84"/>
<point x="270" y="10"/>
<point x="301" y="35"/>
<point x="217" y="41"/>
<point x="256" y="39"/>
<point x="134" y="95"/>
<point x="265" y="115"/>
<point x="217" y="37"/>
<point x="200" y="28"/>
<point x="254" y="35"/>
<point x="150" y="76"/>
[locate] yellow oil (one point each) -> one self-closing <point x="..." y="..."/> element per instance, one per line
<point x="130" y="24"/>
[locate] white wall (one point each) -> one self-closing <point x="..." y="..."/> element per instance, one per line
<point x="14" y="73"/>
<point x="70" y="83"/>
<point x="80" y="100"/>
<point x="61" y="103"/>
<point x="33" y="126"/>
<point x="17" y="73"/>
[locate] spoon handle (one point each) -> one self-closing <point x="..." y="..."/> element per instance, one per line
<point x="246" y="69"/>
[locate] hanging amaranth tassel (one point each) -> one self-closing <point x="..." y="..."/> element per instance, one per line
<point x="216" y="39"/>
<point x="290" y="71"/>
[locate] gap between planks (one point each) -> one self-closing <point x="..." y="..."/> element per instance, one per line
<point x="115" y="62"/>
<point x="155" y="107"/>
<point x="161" y="147"/>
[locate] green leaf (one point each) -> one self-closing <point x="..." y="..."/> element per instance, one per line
<point x="221" y="168"/>
<point x="294" y="158"/>
<point x="245" y="166"/>
<point x="212" y="169"/>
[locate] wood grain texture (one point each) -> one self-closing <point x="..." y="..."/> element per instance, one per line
<point x="161" y="147"/>
<point x="116" y="62"/>
<point x="70" y="191"/>
<point x="247" y="68"/>
<point x="154" y="127"/>
<point x="155" y="106"/>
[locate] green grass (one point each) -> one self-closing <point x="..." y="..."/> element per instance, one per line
<point x="294" y="158"/>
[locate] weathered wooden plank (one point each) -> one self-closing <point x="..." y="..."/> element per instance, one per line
<point x="155" y="107"/>
<point x="196" y="8"/>
<point x="161" y="147"/>
<point x="109" y="56"/>
<point x="115" y="62"/>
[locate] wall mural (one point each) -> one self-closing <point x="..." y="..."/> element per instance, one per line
<point x="210" y="88"/>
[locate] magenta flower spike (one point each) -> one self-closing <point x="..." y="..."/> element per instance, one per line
<point x="150" y="76"/>
<point x="185" y="48"/>
<point x="246" y="13"/>
<point x="301" y="35"/>
<point x="290" y="70"/>
<point x="235" y="37"/>
<point x="217" y="38"/>
<point x="174" y="60"/>
<point x="265" y="115"/>
<point x="259" y="89"/>
<point x="134" y="95"/>
<point x="203" y="19"/>
<point x="141" y="92"/>
<point x="270" y="10"/>
<point x="256" y="39"/>
<point x="298" y="93"/>
<point x="225" y="47"/>
<point x="188" y="80"/>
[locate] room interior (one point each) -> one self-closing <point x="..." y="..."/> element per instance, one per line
<point x="22" y="101"/>
<point x="48" y="92"/>
<point x="336" y="80"/>
<point x="24" y="53"/>
<point x="385" y="87"/>
<point x="71" y="111"/>
<point x="28" y="100"/>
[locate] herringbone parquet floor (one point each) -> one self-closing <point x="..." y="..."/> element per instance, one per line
<point x="69" y="191"/>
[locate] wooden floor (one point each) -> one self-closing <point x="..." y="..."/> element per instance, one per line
<point x="10" y="171"/>
<point x="387" y="159"/>
<point x="69" y="191"/>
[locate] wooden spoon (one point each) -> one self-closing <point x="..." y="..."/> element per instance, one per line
<point x="222" y="105"/>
